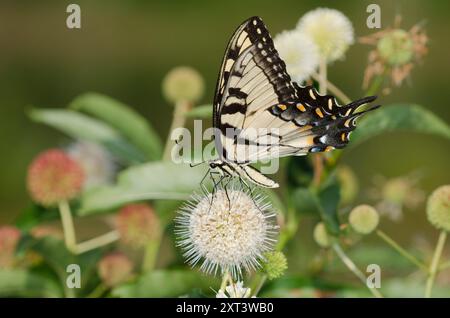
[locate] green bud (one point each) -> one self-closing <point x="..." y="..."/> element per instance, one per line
<point x="364" y="219"/>
<point x="438" y="208"/>
<point x="397" y="47"/>
<point x="321" y="236"/>
<point x="275" y="264"/>
<point x="183" y="84"/>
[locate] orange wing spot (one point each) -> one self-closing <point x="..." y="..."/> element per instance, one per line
<point x="282" y="107"/>
<point x="329" y="148"/>
<point x="343" y="136"/>
<point x="301" y="108"/>
<point x="319" y="112"/>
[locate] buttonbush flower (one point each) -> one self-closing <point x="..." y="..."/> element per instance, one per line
<point x="299" y="52"/>
<point x="321" y="236"/>
<point x="54" y="177"/>
<point x="183" y="83"/>
<point x="235" y="290"/>
<point x="9" y="237"/>
<point x="114" y="268"/>
<point x="364" y="219"/>
<point x="397" y="193"/>
<point x="330" y="29"/>
<point x="138" y="224"/>
<point x="230" y="233"/>
<point x="97" y="163"/>
<point x="275" y="264"/>
<point x="396" y="52"/>
<point x="438" y="208"/>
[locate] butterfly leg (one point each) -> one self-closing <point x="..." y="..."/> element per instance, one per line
<point x="228" y="178"/>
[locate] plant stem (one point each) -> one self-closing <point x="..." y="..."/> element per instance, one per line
<point x="401" y="250"/>
<point x="178" y="121"/>
<point x="334" y="90"/>
<point x="377" y="82"/>
<point x="323" y="76"/>
<point x="226" y="278"/>
<point x="150" y="255"/>
<point x="67" y="224"/>
<point x="435" y="263"/>
<point x="98" y="291"/>
<point x="97" y="242"/>
<point x="261" y="282"/>
<point x="355" y="270"/>
<point x="318" y="169"/>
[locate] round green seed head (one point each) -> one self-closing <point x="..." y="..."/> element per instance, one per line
<point x="183" y="84"/>
<point x="321" y="236"/>
<point x="438" y="208"/>
<point x="275" y="264"/>
<point x="397" y="47"/>
<point x="364" y="219"/>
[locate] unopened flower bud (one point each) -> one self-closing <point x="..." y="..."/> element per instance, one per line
<point x="138" y="224"/>
<point x="114" y="268"/>
<point x="438" y="208"/>
<point x="275" y="264"/>
<point x="397" y="47"/>
<point x="183" y="84"/>
<point x="364" y="219"/>
<point x="321" y="236"/>
<point x="54" y="177"/>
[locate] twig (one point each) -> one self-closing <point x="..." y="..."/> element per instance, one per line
<point x="334" y="90"/>
<point x="435" y="263"/>
<point x="97" y="242"/>
<point x="401" y="250"/>
<point x="70" y="236"/>
<point x="355" y="270"/>
<point x="178" y="121"/>
<point x="67" y="224"/>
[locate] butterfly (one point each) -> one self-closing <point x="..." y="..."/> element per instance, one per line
<point x="260" y="114"/>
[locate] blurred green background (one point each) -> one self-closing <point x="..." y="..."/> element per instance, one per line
<point x="125" y="48"/>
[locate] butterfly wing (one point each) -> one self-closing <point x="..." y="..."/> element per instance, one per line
<point x="252" y="79"/>
<point x="261" y="114"/>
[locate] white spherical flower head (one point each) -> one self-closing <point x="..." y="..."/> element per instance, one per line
<point x="330" y="29"/>
<point x="230" y="234"/>
<point x="299" y="52"/>
<point x="98" y="165"/>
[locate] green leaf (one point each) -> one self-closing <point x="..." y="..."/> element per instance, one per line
<point x="328" y="203"/>
<point x="79" y="126"/>
<point x="399" y="117"/>
<point x="202" y="112"/>
<point x="304" y="201"/>
<point x="34" y="215"/>
<point x="154" y="180"/>
<point x="56" y="255"/>
<point x="165" y="283"/>
<point x="20" y="283"/>
<point x="123" y="118"/>
<point x="324" y="202"/>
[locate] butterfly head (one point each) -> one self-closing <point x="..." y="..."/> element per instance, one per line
<point x="215" y="163"/>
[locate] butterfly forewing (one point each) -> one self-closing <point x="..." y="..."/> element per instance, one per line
<point x="261" y="114"/>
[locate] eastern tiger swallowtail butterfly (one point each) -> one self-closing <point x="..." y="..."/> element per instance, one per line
<point x="255" y="93"/>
